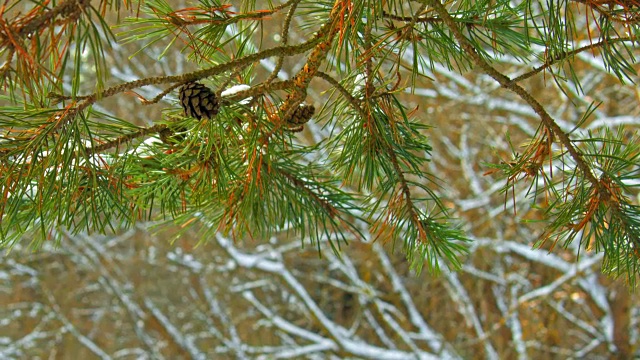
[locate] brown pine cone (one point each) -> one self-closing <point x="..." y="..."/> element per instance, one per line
<point x="198" y="101"/>
<point x="302" y="114"/>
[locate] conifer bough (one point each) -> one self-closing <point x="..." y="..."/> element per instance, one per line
<point x="66" y="165"/>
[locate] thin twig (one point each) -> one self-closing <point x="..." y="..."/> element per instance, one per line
<point x="326" y="205"/>
<point x="7" y="65"/>
<point x="126" y="138"/>
<point x="285" y="39"/>
<point x="158" y="97"/>
<point x="345" y="93"/>
<point x="228" y="81"/>
<point x="257" y="15"/>
<point x="57" y="98"/>
<point x="415" y="19"/>
<point x="368" y="68"/>
<point x="257" y="90"/>
<point x="569" y="54"/>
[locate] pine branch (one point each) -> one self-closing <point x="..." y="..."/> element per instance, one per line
<point x="302" y="79"/>
<point x="88" y="100"/>
<point x="32" y="23"/>
<point x="241" y="169"/>
<point x="509" y="84"/>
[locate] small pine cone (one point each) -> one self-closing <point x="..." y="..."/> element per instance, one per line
<point x="169" y="136"/>
<point x="198" y="101"/>
<point x="302" y="114"/>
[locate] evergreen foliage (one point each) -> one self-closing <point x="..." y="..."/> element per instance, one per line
<point x="245" y="167"/>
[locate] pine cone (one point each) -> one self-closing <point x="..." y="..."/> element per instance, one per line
<point x="302" y="114"/>
<point x="168" y="135"/>
<point x="198" y="101"/>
